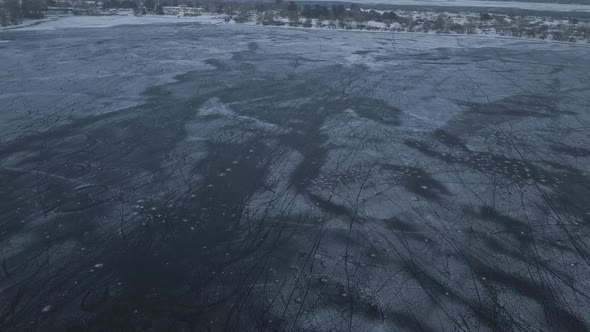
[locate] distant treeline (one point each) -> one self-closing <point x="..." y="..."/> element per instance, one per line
<point x="292" y="10"/>
<point x="289" y="9"/>
<point x="13" y="11"/>
<point x="125" y="4"/>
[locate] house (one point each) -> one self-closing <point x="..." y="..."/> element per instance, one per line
<point x="182" y="10"/>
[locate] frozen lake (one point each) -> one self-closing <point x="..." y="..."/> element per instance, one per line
<point x="197" y="176"/>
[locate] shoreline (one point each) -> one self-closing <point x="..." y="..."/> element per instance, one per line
<point x="74" y="21"/>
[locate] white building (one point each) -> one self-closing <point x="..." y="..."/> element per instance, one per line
<point x="182" y="10"/>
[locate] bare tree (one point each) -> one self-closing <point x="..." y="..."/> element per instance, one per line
<point x="13" y="10"/>
<point x="3" y="16"/>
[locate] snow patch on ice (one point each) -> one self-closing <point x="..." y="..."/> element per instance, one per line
<point x="214" y="107"/>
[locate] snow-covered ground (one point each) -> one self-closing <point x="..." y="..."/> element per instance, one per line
<point x="65" y="22"/>
<point x="27" y="23"/>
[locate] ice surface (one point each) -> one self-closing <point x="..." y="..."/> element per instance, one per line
<point x="181" y="175"/>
